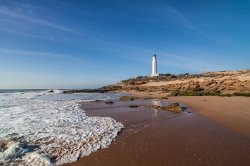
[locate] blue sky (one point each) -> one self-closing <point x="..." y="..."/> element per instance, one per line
<point x="87" y="44"/>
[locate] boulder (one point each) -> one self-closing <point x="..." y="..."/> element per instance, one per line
<point x="109" y="102"/>
<point x="174" y="107"/>
<point x="133" y="106"/>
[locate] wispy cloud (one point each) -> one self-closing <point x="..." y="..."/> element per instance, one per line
<point x="18" y="13"/>
<point x="183" y="20"/>
<point x="179" y="17"/>
<point x="192" y="63"/>
<point x="51" y="38"/>
<point x="166" y="14"/>
<point x="13" y="52"/>
<point x="165" y="59"/>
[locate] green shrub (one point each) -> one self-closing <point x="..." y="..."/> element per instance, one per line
<point x="242" y="94"/>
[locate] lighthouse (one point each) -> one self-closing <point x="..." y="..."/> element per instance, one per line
<point x="154" y="66"/>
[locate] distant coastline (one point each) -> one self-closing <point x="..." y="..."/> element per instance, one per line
<point x="221" y="83"/>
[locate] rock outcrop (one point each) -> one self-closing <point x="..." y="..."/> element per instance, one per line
<point x="212" y="83"/>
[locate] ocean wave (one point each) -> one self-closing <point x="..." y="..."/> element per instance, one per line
<point x="44" y="128"/>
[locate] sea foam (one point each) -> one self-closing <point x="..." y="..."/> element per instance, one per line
<point x="42" y="128"/>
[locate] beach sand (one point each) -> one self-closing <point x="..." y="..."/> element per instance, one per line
<point x="233" y="112"/>
<point x="155" y="137"/>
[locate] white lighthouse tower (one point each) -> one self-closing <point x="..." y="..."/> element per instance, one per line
<point x="154" y="66"/>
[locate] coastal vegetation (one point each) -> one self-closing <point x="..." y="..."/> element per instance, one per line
<point x="222" y="83"/>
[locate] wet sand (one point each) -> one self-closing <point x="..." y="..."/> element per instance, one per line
<point x="233" y="112"/>
<point x="154" y="137"/>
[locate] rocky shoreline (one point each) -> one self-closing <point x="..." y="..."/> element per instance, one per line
<point x="223" y="83"/>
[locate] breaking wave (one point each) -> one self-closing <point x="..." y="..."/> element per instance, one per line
<point x="49" y="128"/>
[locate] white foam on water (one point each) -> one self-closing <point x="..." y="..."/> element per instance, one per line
<point x="44" y="128"/>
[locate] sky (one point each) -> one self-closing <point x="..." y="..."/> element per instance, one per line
<point x="91" y="43"/>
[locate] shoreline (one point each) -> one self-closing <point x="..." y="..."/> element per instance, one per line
<point x="165" y="138"/>
<point x="231" y="111"/>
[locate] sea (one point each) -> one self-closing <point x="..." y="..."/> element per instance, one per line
<point x="44" y="127"/>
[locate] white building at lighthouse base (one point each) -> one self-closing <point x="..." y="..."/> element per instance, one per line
<point x="154" y="75"/>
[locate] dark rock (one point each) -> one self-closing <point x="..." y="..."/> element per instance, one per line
<point x="99" y="90"/>
<point x="133" y="106"/>
<point x="131" y="83"/>
<point x="139" y="82"/>
<point x="84" y="91"/>
<point x="110" y="88"/>
<point x="137" y="88"/>
<point x="109" y="102"/>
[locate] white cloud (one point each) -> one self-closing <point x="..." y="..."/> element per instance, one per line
<point x="13" y="52"/>
<point x="43" y="37"/>
<point x="18" y="13"/>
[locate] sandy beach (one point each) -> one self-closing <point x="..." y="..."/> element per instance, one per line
<point x="211" y="131"/>
<point x="233" y="112"/>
